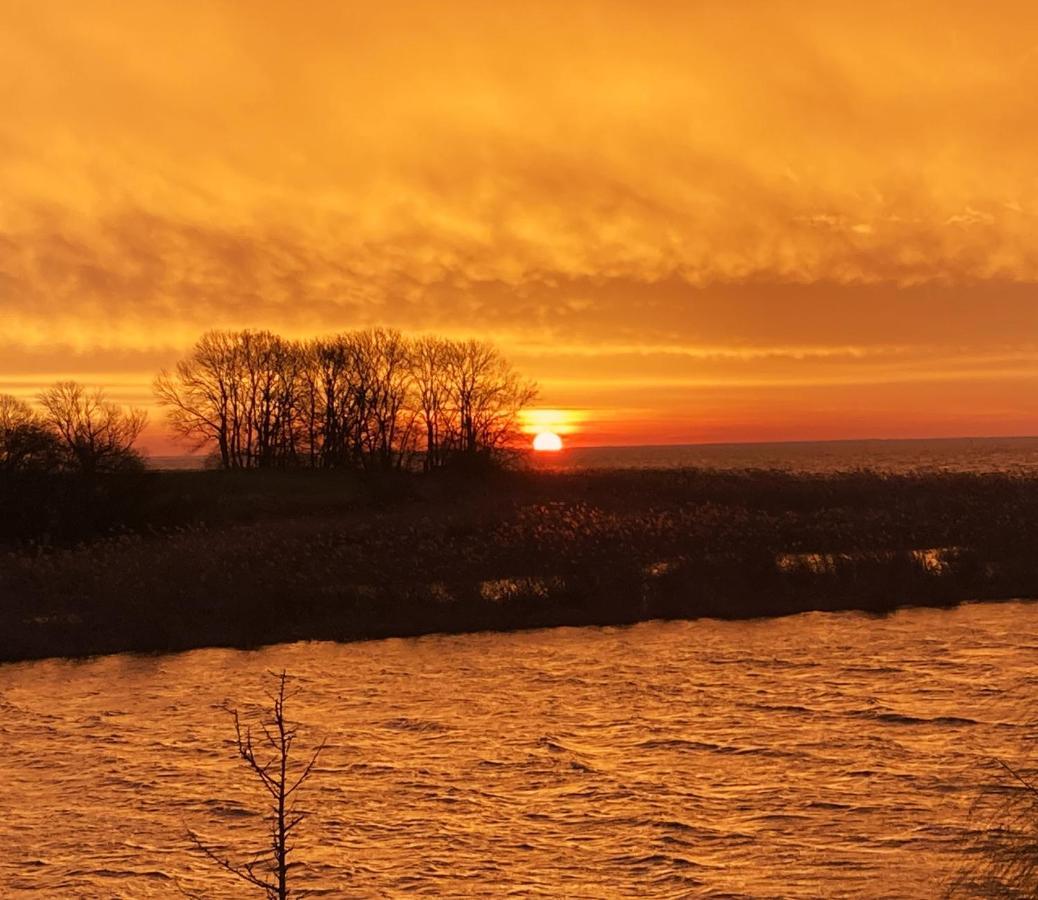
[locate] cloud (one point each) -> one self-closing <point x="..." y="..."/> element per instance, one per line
<point x="748" y="178"/>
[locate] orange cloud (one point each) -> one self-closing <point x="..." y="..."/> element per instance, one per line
<point x="660" y="199"/>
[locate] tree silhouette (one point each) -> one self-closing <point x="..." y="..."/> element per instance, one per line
<point x="267" y="869"/>
<point x="26" y="444"/>
<point x="369" y="399"/>
<point x="96" y="434"/>
<point x="487" y="396"/>
<point x="429" y="360"/>
<point x="237" y="393"/>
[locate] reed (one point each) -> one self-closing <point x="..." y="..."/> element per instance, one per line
<point x="165" y="561"/>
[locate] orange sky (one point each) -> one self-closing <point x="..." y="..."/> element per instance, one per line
<point x="689" y="221"/>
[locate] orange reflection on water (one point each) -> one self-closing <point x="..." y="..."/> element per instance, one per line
<point x="741" y="758"/>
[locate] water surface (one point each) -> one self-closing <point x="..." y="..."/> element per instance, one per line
<point x="821" y="755"/>
<point x="1013" y="454"/>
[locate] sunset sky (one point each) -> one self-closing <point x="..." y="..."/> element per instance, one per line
<point x="688" y="221"/>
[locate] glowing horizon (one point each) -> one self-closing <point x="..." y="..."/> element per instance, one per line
<point x="689" y="223"/>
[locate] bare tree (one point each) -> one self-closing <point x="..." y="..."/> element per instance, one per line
<point x="271" y="367"/>
<point x="96" y="434"/>
<point x="201" y="396"/>
<point x="355" y="400"/>
<point x="429" y="364"/>
<point x="241" y="394"/>
<point x="26" y="444"/>
<point x="335" y="397"/>
<point x="487" y="394"/>
<point x="467" y="398"/>
<point x="267" y="870"/>
<point x="384" y="355"/>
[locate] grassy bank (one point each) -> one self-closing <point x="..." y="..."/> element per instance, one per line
<point x="163" y="561"/>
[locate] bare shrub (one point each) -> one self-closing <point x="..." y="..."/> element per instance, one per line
<point x="267" y="869"/>
<point x="1003" y="849"/>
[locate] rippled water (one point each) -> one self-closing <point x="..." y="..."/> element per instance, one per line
<point x="812" y="756"/>
<point x="1015" y="454"/>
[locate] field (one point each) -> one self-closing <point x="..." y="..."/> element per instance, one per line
<point x="174" y="560"/>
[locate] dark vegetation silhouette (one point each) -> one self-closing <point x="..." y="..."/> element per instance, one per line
<point x="1002" y="848"/>
<point x="95" y="434"/>
<point x="373" y="402"/>
<point x="369" y="400"/>
<point x="268" y="757"/>
<point x="78" y="431"/>
<point x="228" y="558"/>
<point x="26" y="443"/>
<point x="70" y="471"/>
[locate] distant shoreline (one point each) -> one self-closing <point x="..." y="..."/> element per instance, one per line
<point x="194" y="559"/>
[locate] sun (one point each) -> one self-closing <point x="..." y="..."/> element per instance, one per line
<point x="547" y="442"/>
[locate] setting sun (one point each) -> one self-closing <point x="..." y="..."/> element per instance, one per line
<point x="547" y="442"/>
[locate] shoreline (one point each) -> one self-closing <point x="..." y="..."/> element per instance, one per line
<point x="878" y="612"/>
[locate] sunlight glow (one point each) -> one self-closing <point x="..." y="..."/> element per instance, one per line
<point x="559" y="421"/>
<point x="547" y="442"/>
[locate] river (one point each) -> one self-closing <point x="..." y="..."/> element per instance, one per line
<point x="820" y="755"/>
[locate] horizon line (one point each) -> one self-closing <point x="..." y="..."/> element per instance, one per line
<point x="793" y="441"/>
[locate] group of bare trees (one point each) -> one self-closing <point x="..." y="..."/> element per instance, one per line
<point x="371" y="399"/>
<point x="76" y="430"/>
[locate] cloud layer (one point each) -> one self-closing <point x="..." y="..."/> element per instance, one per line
<point x="654" y="201"/>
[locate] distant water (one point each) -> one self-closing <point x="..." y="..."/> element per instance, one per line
<point x="183" y="463"/>
<point x="1014" y="454"/>
<point x="820" y="755"/>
